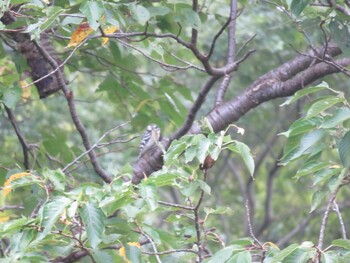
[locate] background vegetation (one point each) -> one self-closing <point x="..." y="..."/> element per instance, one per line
<point x="254" y="163"/>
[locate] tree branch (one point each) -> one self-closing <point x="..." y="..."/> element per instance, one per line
<point x="194" y="35"/>
<point x="195" y="108"/>
<point x="280" y="82"/>
<point x="24" y="144"/>
<point x="268" y="89"/>
<point x="76" y="120"/>
<point x="325" y="216"/>
<point x="341" y="221"/>
<point x="340" y="8"/>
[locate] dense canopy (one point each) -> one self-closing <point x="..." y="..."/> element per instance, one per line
<point x="251" y="98"/>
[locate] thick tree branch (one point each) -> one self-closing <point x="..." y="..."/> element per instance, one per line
<point x="282" y="82"/>
<point x="268" y="89"/>
<point x="340" y="8"/>
<point x="76" y="120"/>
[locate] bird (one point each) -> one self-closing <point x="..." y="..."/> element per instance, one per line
<point x="150" y="139"/>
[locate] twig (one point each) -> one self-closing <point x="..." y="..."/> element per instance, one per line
<point x="185" y="62"/>
<point x="340" y="218"/>
<point x="117" y="140"/>
<point x="245" y="44"/>
<point x="194" y="35"/>
<point x="171" y="251"/>
<point x="76" y="120"/>
<point x="94" y="146"/>
<point x="166" y="66"/>
<point x="58" y="66"/>
<point x="7" y="207"/>
<point x="325" y="217"/>
<point x="24" y="144"/>
<point x="250" y="224"/>
<point x="156" y="254"/>
<point x="218" y="34"/>
<point x="197" y="223"/>
<point x="177" y="205"/>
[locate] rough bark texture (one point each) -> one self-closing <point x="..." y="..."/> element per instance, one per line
<point x="281" y="82"/>
<point x="38" y="65"/>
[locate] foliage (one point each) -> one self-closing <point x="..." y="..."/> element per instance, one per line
<point x="218" y="192"/>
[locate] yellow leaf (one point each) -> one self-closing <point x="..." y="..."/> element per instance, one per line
<point x="108" y="30"/>
<point x="271" y="244"/>
<point x="122" y="249"/>
<point x="80" y="34"/>
<point x="4" y="219"/>
<point x="26" y="91"/>
<point x="7" y="188"/>
<point x="64" y="219"/>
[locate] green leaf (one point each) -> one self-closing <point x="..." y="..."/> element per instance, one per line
<point x="152" y="233"/>
<point x="299" y="126"/>
<point x="188" y="17"/>
<point x="301" y="254"/>
<point x="343" y="243"/>
<point x="57" y="178"/>
<point x="15" y="225"/>
<point x="335" y="180"/>
<point x="317" y="197"/>
<point x="190" y="153"/>
<point x="306" y="142"/>
<point x="140" y="13"/>
<point x="241" y="257"/>
<point x="224" y="254"/>
<point x="102" y="256"/>
<point x="204" y="186"/>
<point x="301" y="93"/>
<point x="52" y="14"/>
<point x="298" y="6"/>
<point x="244" y="242"/>
<point x="93" y="11"/>
<point x="176" y="148"/>
<point x="133" y="253"/>
<point x="11" y="96"/>
<point x="280" y="256"/>
<point x="203" y="149"/>
<point x="189" y="188"/>
<point x="322" y="105"/>
<point x="311" y="167"/>
<point x="325" y="174"/>
<point x="344" y="150"/>
<point x="93" y="219"/>
<point x="341" y="115"/>
<point x="148" y="193"/>
<point x="51" y="212"/>
<point x="158" y="10"/>
<point x="243" y="150"/>
<point x="219" y="210"/>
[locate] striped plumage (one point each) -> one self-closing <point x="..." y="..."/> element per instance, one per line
<point x="149" y="138"/>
